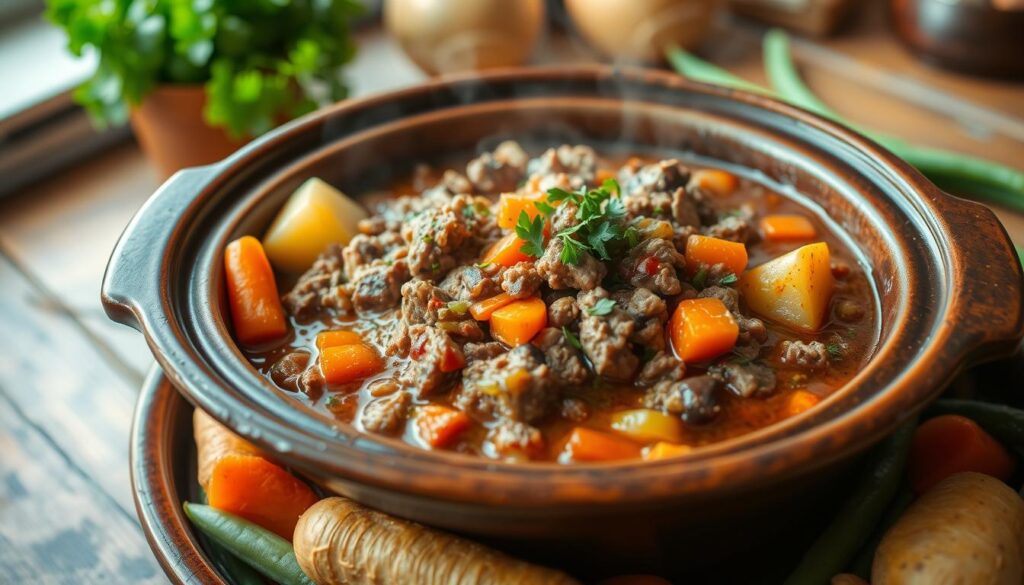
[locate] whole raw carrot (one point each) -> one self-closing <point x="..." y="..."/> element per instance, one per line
<point x="951" y="444"/>
<point x="259" y="491"/>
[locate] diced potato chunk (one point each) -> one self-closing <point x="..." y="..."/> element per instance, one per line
<point x="793" y="289"/>
<point x="314" y="216"/>
<point x="646" y="425"/>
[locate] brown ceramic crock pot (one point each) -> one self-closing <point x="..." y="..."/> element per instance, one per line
<point x="948" y="283"/>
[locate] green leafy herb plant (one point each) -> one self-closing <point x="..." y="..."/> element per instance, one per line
<point x="261" y="61"/>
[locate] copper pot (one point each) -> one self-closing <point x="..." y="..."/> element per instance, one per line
<point x="947" y="278"/>
<point x="169" y="125"/>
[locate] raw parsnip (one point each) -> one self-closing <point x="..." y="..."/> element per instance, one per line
<point x="339" y="542"/>
<point x="967" y="529"/>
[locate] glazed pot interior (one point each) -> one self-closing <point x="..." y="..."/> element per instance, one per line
<point x="884" y="210"/>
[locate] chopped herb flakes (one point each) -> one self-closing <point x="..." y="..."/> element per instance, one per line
<point x="601" y="308"/>
<point x="835" y="350"/>
<point x="701" y="278"/>
<point x="730" y="278"/>
<point x="571" y="338"/>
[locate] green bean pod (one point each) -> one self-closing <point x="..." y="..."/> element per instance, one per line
<point x="861" y="565"/>
<point x="985" y="180"/>
<point x="261" y="549"/>
<point x="852" y="526"/>
<point x="237" y="572"/>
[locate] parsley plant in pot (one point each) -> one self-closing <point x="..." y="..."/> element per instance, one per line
<point x="197" y="78"/>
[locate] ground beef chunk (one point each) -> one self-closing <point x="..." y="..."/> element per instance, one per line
<point x="564" y="216"/>
<point x="379" y="287"/>
<point x="435" y="236"/>
<point x="452" y="183"/>
<point x="650" y="313"/>
<point x="433" y="354"/>
<point x="661" y="177"/>
<point x="730" y="297"/>
<point x="320" y="287"/>
<point x="752" y="329"/>
<point x="663" y="367"/>
<point x="650" y="335"/>
<point x="516" y="440"/>
<point x="422" y="302"/>
<point x="745" y="380"/>
<point x="386" y="415"/>
<point x="562" y="312"/>
<point x="499" y="171"/>
<point x="652" y="264"/>
<point x="605" y="338"/>
<point x="469" y="283"/>
<point x="641" y="303"/>
<point x="575" y="410"/>
<point x="517" y="385"/>
<point x="565" y="361"/>
<point x="810" y="356"/>
<point x="684" y="208"/>
<point x="681" y="235"/>
<point x="377" y="225"/>
<point x="578" y="163"/>
<point x="653" y="205"/>
<point x="735" y="227"/>
<point x="363" y="251"/>
<point x="693" y="399"/>
<point x="521" y="281"/>
<point x="476" y="352"/>
<point x="287" y="371"/>
<point x="585" y="275"/>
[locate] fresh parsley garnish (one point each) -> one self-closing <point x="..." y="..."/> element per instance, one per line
<point x="730" y="278"/>
<point x="600" y="228"/>
<point x="571" y="338"/>
<point x="835" y="350"/>
<point x="601" y="307"/>
<point x="701" y="278"/>
<point x="532" y="234"/>
<point x="483" y="264"/>
<point x="545" y="209"/>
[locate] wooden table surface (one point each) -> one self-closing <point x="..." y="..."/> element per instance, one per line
<point x="69" y="377"/>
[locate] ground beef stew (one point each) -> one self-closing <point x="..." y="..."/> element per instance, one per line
<point x="555" y="308"/>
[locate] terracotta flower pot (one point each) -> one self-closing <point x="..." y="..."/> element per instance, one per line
<point x="170" y="127"/>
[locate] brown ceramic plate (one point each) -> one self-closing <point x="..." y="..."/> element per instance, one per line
<point x="163" y="473"/>
<point x="946" y="274"/>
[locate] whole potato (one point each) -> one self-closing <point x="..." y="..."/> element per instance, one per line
<point x="639" y="30"/>
<point x="447" y="36"/>
<point x="968" y="529"/>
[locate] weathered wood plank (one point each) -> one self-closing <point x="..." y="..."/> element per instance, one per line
<point x="64" y="385"/>
<point x="58" y="527"/>
<point x="63" y="230"/>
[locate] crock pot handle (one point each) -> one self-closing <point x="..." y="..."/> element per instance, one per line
<point x="134" y="281"/>
<point x="988" y="297"/>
